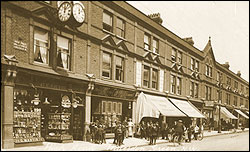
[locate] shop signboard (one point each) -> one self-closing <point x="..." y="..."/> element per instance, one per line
<point x="209" y="103"/>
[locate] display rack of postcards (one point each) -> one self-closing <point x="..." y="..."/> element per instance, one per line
<point x="27" y="118"/>
<point x="58" y="124"/>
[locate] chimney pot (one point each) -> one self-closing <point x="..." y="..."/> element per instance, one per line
<point x="238" y="73"/>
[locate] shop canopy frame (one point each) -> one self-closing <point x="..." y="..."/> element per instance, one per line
<point x="186" y="107"/>
<point x="241" y="113"/>
<point x="153" y="106"/>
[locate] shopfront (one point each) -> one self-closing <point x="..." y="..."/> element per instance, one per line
<point x="47" y="108"/>
<point x="208" y="111"/>
<point x="227" y="118"/>
<point x="111" y="105"/>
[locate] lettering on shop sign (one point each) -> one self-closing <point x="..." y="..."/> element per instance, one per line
<point x="20" y="45"/>
<point x="114" y="92"/>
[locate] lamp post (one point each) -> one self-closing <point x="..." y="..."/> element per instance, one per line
<point x="220" y="98"/>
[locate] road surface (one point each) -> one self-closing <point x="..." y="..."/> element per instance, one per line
<point x="227" y="142"/>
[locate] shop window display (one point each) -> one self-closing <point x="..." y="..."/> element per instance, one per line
<point x="58" y="120"/>
<point x="108" y="112"/>
<point x="27" y="117"/>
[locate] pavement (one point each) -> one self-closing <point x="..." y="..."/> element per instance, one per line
<point x="109" y="146"/>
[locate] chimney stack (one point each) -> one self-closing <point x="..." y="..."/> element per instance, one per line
<point x="189" y="40"/>
<point x="226" y="65"/>
<point x="156" y="17"/>
<point x="238" y="73"/>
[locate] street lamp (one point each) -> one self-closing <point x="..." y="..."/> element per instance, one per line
<point x="219" y="123"/>
<point x="220" y="98"/>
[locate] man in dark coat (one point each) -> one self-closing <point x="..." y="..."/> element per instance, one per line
<point x="150" y="133"/>
<point x="155" y="130"/>
<point x="115" y="131"/>
<point x="179" y="130"/>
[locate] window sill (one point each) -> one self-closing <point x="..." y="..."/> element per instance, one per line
<point x="121" y="82"/>
<point x="62" y="69"/>
<point x="41" y="65"/>
<point x="122" y="38"/>
<point x="108" y="32"/>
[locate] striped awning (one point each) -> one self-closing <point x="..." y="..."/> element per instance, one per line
<point x="242" y="114"/>
<point x="227" y="113"/>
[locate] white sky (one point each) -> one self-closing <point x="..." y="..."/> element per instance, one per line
<point x="227" y="22"/>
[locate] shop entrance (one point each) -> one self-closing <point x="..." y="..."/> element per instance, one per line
<point x="78" y="123"/>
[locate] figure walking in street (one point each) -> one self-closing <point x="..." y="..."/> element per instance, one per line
<point x="150" y="133"/>
<point x="119" y="134"/>
<point x="190" y="130"/>
<point x="115" y="132"/>
<point x="155" y="131"/>
<point x="179" y="130"/>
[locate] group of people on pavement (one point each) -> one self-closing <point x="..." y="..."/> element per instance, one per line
<point x="152" y="131"/>
<point x="121" y="131"/>
<point x="149" y="130"/>
<point x="97" y="131"/>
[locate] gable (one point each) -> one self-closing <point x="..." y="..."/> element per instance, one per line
<point x="122" y="46"/>
<point x="108" y="40"/>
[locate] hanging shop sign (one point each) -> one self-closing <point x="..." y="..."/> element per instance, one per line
<point x="66" y="102"/>
<point x="20" y="45"/>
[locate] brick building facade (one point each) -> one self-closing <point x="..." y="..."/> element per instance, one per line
<point x="100" y="66"/>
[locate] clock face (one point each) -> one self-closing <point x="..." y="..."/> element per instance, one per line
<point x="78" y="13"/>
<point x="64" y="11"/>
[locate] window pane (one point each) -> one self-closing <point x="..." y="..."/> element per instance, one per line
<point x="120" y="23"/>
<point x="107" y="18"/>
<point x="41" y="49"/>
<point x="63" y="52"/>
<point x="119" y="68"/>
<point x="62" y="42"/>
<point x="106" y="65"/>
<point x="106" y="61"/>
<point x="146" y="39"/>
<point x="146" y="76"/>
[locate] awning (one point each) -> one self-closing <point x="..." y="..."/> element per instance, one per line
<point x="187" y="107"/>
<point x="151" y="106"/>
<point x="241" y="113"/>
<point x="227" y="113"/>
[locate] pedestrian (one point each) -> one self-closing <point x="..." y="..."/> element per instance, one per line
<point x="119" y="134"/>
<point x="103" y="140"/>
<point x="147" y="131"/>
<point x="130" y="127"/>
<point x="155" y="131"/>
<point x="92" y="131"/>
<point x="115" y="132"/>
<point x="125" y="123"/>
<point x="124" y="131"/>
<point x="143" y="130"/>
<point x="196" y="131"/>
<point x="179" y="130"/>
<point x="163" y="132"/>
<point x="166" y="130"/>
<point x="190" y="132"/>
<point x="150" y="132"/>
<point x="158" y="129"/>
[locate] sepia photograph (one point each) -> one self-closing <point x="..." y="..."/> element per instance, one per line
<point x="125" y="75"/>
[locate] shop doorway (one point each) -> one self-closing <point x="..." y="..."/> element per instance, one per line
<point x="78" y="123"/>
